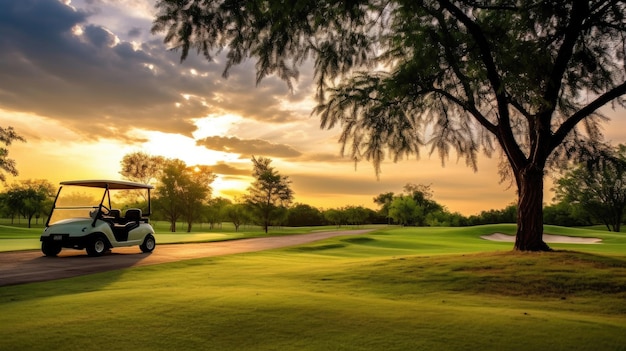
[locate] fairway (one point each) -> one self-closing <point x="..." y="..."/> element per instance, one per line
<point x="391" y="289"/>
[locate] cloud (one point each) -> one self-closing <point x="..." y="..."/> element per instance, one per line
<point x="228" y="170"/>
<point x="326" y="157"/>
<point x="337" y="185"/>
<point x="56" y="62"/>
<point x="248" y="147"/>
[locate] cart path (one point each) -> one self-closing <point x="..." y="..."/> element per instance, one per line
<point x="19" y="267"/>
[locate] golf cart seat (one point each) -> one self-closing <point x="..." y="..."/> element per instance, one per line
<point x="115" y="215"/>
<point x="133" y="215"/>
<point x="132" y="219"/>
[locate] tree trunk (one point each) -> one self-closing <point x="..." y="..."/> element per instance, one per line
<point x="530" y="210"/>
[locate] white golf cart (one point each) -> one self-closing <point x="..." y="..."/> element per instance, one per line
<point x="82" y="217"/>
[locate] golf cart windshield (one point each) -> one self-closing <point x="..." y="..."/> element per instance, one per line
<point x="90" y="199"/>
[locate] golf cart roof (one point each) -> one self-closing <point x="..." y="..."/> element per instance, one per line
<point x="111" y="184"/>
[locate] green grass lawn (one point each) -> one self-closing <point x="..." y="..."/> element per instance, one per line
<point x="392" y="289"/>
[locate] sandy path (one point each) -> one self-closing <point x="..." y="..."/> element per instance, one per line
<point x="31" y="266"/>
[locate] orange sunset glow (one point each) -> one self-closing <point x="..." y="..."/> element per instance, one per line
<point x="91" y="84"/>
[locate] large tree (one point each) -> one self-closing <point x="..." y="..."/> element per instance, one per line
<point x="269" y="194"/>
<point x="519" y="76"/>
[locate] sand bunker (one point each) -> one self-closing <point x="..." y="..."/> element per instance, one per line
<point x="549" y="238"/>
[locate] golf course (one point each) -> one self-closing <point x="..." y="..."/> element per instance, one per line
<point x="393" y="288"/>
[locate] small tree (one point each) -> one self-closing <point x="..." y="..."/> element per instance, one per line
<point x="566" y="214"/>
<point x="141" y="167"/>
<point x="237" y="213"/>
<point x="216" y="211"/>
<point x="269" y="194"/>
<point x="356" y="215"/>
<point x="168" y="201"/>
<point x="301" y="215"/>
<point x="335" y="216"/>
<point x="195" y="192"/>
<point x="182" y="192"/>
<point x="598" y="187"/>
<point x="404" y="210"/>
<point x="422" y="194"/>
<point x="384" y="201"/>
<point x="30" y="198"/>
<point x="7" y="136"/>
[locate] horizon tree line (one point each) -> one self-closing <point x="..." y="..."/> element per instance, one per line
<point x="184" y="193"/>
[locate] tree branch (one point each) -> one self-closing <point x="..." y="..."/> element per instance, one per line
<point x="579" y="11"/>
<point x="503" y="132"/>
<point x="584" y="112"/>
<point x="485" y="51"/>
<point x="470" y="109"/>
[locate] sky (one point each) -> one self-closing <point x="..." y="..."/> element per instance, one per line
<point x="85" y="83"/>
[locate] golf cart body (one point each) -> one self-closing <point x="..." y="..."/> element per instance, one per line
<point x="83" y="217"/>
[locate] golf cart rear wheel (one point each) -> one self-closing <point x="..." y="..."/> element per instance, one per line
<point x="50" y="249"/>
<point x="148" y="244"/>
<point x="97" y="246"/>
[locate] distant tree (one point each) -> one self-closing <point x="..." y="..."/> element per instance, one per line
<point x="182" y="192"/>
<point x="456" y="219"/>
<point x="422" y="194"/>
<point x="357" y="215"/>
<point x="493" y="216"/>
<point x="7" y="136"/>
<point x="404" y="210"/>
<point x="566" y="214"/>
<point x="519" y="76"/>
<point x="280" y="216"/>
<point x="269" y="194"/>
<point x="335" y="216"/>
<point x="6" y="210"/>
<point x="168" y="201"/>
<point x="237" y="213"/>
<point x="195" y="192"/>
<point x="598" y="186"/>
<point x="141" y="167"/>
<point x="30" y="198"/>
<point x="384" y="201"/>
<point x="215" y="211"/>
<point x="300" y="215"/>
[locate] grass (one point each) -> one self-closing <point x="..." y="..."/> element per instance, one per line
<point x="392" y="289"/>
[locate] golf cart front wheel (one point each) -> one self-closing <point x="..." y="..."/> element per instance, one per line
<point x="148" y="244"/>
<point x="97" y="246"/>
<point x="50" y="249"/>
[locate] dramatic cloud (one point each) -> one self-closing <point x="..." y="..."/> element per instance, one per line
<point x="248" y="147"/>
<point x="57" y="64"/>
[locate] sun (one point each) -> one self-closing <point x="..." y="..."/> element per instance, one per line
<point x="177" y="146"/>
